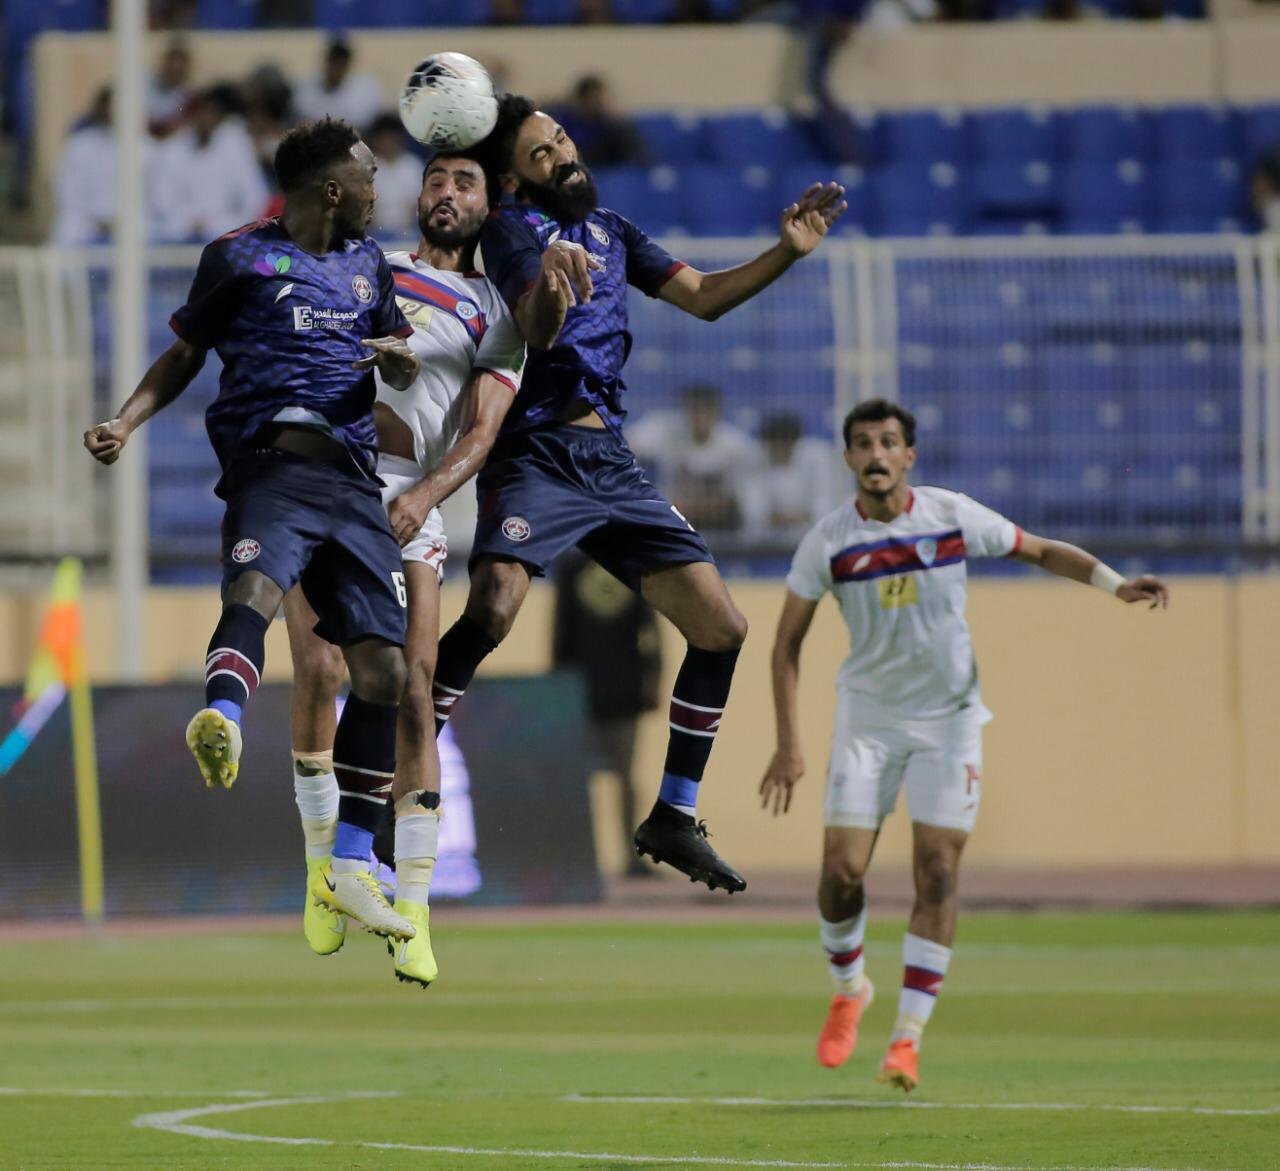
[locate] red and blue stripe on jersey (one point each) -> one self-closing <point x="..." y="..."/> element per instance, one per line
<point x="896" y="555"/>
<point x="419" y="287"/>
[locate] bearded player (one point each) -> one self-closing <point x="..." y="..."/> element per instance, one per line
<point x="561" y="473"/>
<point x="909" y="712"/>
<point x="432" y="438"/>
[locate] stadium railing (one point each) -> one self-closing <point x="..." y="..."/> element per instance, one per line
<point x="1119" y="390"/>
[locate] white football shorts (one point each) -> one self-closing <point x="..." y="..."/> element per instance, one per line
<point x="938" y="762"/>
<point x="429" y="547"/>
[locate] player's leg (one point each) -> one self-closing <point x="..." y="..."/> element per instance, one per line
<point x="694" y="599"/>
<point x="318" y="674"/>
<point x="416" y="791"/>
<point x="942" y="782"/>
<point x="498" y="589"/>
<point x="863" y="778"/>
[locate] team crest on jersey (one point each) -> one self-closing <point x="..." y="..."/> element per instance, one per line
<point x="516" y="528"/>
<point x="601" y="236"/>
<point x="927" y="551"/>
<point x="245" y="550"/>
<point x="363" y="288"/>
<point x="466" y="310"/>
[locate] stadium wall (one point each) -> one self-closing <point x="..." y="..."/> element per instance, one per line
<point x="1120" y="738"/>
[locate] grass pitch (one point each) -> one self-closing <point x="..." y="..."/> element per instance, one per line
<point x="524" y="1055"/>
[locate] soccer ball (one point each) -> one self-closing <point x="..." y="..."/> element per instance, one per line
<point x="448" y="102"/>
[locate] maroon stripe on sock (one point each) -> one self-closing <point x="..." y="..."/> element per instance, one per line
<point x="228" y="660"/>
<point x="693" y="719"/>
<point x="922" y="980"/>
<point x="352" y="781"/>
<point x="842" y="959"/>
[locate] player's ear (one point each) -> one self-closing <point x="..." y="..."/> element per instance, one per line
<point x="911" y="458"/>
<point x="332" y="192"/>
<point x="848" y="459"/>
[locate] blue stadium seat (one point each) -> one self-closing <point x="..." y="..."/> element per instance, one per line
<point x="1017" y="135"/>
<point x="642" y="11"/>
<point x="1106" y="197"/>
<point x="656" y="198"/>
<point x="229" y="14"/>
<point x="873" y="135"/>
<point x="730" y="201"/>
<point x="675" y="137"/>
<point x="1261" y="130"/>
<point x="924" y="138"/>
<point x="919" y="200"/>
<point x="766" y="138"/>
<point x="431" y="13"/>
<point x="1074" y="372"/>
<point x="339" y="15"/>
<point x="1190" y="367"/>
<point x="550" y="11"/>
<point x="1108" y="134"/>
<point x="1009" y="196"/>
<point x="623" y="189"/>
<point x="1199" y="195"/>
<point x="1197" y="132"/>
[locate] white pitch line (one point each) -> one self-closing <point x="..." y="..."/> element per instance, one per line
<point x="875" y="1104"/>
<point x="56" y="1092"/>
<point x="179" y="1122"/>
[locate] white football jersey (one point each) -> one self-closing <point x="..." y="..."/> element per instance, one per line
<point x="901" y="588"/>
<point x="460" y="323"/>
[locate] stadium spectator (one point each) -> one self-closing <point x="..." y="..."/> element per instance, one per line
<point x="603" y="137"/>
<point x="704" y="464"/>
<point x="205" y="179"/>
<point x="85" y="191"/>
<point x="399" y="179"/>
<point x="338" y="93"/>
<point x="793" y="486"/>
<point x="506" y="12"/>
<point x="1264" y="190"/>
<point x="595" y="12"/>
<point x="268" y="112"/>
<point x="609" y="634"/>
<point x="172" y="14"/>
<point x="169" y="89"/>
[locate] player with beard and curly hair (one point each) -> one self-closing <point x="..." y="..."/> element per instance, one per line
<point x="561" y="473"/>
<point x="432" y="438"/>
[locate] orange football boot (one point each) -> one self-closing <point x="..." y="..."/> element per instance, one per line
<point x="901" y="1065"/>
<point x="840" y="1032"/>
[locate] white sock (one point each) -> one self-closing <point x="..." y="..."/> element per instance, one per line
<point x="924" y="965"/>
<point x="317" y="799"/>
<point x="845" y="961"/>
<point x="417" y="842"/>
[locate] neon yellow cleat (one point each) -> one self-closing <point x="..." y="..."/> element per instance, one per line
<point x="358" y="895"/>
<point x="325" y="928"/>
<point x="415" y="961"/>
<point x="215" y="742"/>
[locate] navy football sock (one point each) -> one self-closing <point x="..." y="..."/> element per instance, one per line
<point x="462" y="649"/>
<point x="233" y="667"/>
<point x="697" y="705"/>
<point x="364" y="761"/>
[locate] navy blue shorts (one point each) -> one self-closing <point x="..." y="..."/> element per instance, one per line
<point x="297" y="519"/>
<point x="545" y="491"/>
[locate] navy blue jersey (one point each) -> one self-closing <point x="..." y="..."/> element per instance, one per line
<point x="586" y="362"/>
<point x="287" y="325"/>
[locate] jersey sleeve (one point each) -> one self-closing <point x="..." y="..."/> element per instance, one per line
<point x="386" y="319"/>
<point x="211" y="303"/>
<point x="510" y="256"/>
<point x="810" y="575"/>
<point x="501" y="350"/>
<point x="649" y="266"/>
<point x="986" y="532"/>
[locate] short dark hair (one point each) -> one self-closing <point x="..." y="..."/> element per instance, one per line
<point x="877" y="410"/>
<point x="702" y="393"/>
<point x="495" y="152"/>
<point x="310" y="147"/>
<point x="785" y="427"/>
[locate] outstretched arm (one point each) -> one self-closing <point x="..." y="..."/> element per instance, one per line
<point x="488" y="398"/>
<point x="710" y="295"/>
<point x="169" y="376"/>
<point x="1063" y="560"/>
<point x="787" y="766"/>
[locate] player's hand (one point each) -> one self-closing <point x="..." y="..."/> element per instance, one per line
<point x="105" y="441"/>
<point x="1145" y="589"/>
<point x="408" y="513"/>
<point x="571" y="264"/>
<point x="807" y="220"/>
<point x="780" y="778"/>
<point x="555" y="288"/>
<point x="393" y="357"/>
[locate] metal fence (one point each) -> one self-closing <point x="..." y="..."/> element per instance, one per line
<point x="1123" y="391"/>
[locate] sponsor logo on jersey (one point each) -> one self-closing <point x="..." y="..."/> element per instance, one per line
<point x="927" y="551"/>
<point x="600" y="260"/>
<point x="362" y="287"/>
<point x="245" y="550"/>
<point x="283" y="293"/>
<point x="271" y="264"/>
<point x="309" y="317"/>
<point x="600" y="235"/>
<point x="516" y="528"/>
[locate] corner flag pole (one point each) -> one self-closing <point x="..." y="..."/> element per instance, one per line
<point x="88" y="812"/>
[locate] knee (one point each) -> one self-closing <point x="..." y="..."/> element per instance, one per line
<point x="935" y="878"/>
<point x="494" y="602"/>
<point x="319" y="670"/>
<point x="381" y="681"/>
<point x="255" y="590"/>
<point x="841" y="877"/>
<point x="728" y="632"/>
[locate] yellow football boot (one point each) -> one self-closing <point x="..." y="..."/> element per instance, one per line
<point x="325" y="928"/>
<point x="215" y="742"/>
<point x="415" y="962"/>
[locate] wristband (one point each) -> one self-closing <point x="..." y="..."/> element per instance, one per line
<point x="1106" y="578"/>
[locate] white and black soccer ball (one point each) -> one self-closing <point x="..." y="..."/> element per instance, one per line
<point x="448" y="102"/>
